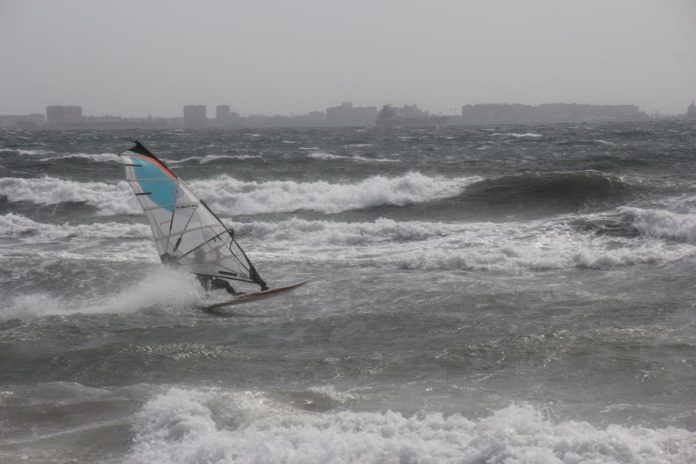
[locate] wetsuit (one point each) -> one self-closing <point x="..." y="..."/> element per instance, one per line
<point x="213" y="283"/>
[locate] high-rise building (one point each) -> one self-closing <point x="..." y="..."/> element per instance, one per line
<point x="194" y="116"/>
<point x="63" y="115"/>
<point x="691" y="111"/>
<point x="348" y="115"/>
<point x="222" y="113"/>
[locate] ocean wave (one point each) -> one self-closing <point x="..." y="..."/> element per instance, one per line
<point x="510" y="247"/>
<point x="231" y="196"/>
<point x="95" y="157"/>
<point x="631" y="222"/>
<point x="24" y="151"/>
<point x="222" y="426"/>
<point x="17" y="225"/>
<point x="527" y="135"/>
<point x="515" y="247"/>
<point x="356" y="159"/>
<point x="108" y="199"/>
<point x="207" y="159"/>
<point x="168" y="288"/>
<point x="326" y="156"/>
<point x="553" y="191"/>
<point x="300" y="231"/>
<point x="228" y="195"/>
<point x="663" y="224"/>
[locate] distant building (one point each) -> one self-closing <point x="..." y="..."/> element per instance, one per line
<point x="691" y="111"/>
<point x="58" y="115"/>
<point x="497" y="114"/>
<point x="408" y="116"/>
<point x="222" y="114"/>
<point x="547" y="113"/>
<point x="195" y="116"/>
<point x="348" y="115"/>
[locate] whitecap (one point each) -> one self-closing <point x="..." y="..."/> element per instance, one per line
<point x="226" y="427"/>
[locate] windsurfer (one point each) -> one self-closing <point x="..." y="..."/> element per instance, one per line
<point x="214" y="283"/>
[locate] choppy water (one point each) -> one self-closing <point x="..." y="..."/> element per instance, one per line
<point x="483" y="295"/>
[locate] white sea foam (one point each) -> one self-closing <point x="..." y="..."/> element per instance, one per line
<point x="210" y="158"/>
<point x="326" y="156"/>
<point x="329" y="233"/>
<point x="505" y="247"/>
<point x="17" y="225"/>
<point x="538" y="246"/>
<point x="228" y="195"/>
<point x="528" y="135"/>
<point x="107" y="198"/>
<point x="25" y="152"/>
<point x="232" y="196"/>
<point x="356" y="159"/>
<point x="95" y="157"/>
<point x="663" y="224"/>
<point x="167" y="288"/>
<point x="214" y="425"/>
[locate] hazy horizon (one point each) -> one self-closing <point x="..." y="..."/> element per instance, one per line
<point x="133" y="59"/>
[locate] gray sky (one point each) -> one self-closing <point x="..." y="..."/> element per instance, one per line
<point x="135" y="58"/>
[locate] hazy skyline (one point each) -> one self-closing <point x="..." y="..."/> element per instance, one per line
<point x="152" y="57"/>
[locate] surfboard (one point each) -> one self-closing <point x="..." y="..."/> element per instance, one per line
<point x="254" y="296"/>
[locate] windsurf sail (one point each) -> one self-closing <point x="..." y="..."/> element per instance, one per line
<point x="186" y="231"/>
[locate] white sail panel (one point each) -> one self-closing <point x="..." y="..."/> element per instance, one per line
<point x="186" y="232"/>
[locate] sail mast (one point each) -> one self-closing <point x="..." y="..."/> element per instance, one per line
<point x="186" y="231"/>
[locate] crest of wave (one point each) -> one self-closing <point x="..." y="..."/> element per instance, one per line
<point x="95" y="157"/>
<point x="552" y="249"/>
<point x="661" y="223"/>
<point x="239" y="197"/>
<point x="108" y="198"/>
<point x="210" y="158"/>
<point x="504" y="247"/>
<point x="314" y="233"/>
<point x="168" y="288"/>
<point x="13" y="224"/>
<point x="215" y="426"/>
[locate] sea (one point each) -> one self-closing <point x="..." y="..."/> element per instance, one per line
<point x="478" y="295"/>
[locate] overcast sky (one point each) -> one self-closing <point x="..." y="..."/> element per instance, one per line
<point x="135" y="58"/>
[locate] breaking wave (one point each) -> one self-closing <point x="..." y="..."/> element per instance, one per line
<point x="554" y="192"/>
<point x="475" y="246"/>
<point x="355" y="159"/>
<point x="663" y="224"/>
<point x="109" y="199"/>
<point x="94" y="157"/>
<point x="25" y="152"/>
<point x="17" y="225"/>
<point x="228" y="195"/>
<point x="526" y="135"/>
<point x="300" y="231"/>
<point x="207" y="159"/>
<point x="624" y="237"/>
<point x="232" y="196"/>
<point x="213" y="425"/>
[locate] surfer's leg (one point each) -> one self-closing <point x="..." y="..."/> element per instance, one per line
<point x="225" y="284"/>
<point x="205" y="281"/>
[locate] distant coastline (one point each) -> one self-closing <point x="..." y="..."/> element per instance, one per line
<point x="345" y="115"/>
